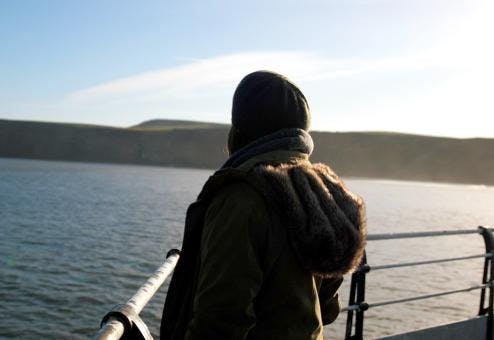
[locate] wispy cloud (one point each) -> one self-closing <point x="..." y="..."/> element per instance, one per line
<point x="195" y="77"/>
<point x="452" y="96"/>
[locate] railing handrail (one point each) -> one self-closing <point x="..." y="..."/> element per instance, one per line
<point x="369" y="268"/>
<point x="126" y="316"/>
<point x="394" y="236"/>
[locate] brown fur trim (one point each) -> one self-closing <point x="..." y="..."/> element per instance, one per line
<point x="325" y="221"/>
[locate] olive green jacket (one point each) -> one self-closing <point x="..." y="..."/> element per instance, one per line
<point x="250" y="284"/>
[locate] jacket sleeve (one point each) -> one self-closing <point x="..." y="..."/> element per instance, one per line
<point x="329" y="299"/>
<point x="230" y="275"/>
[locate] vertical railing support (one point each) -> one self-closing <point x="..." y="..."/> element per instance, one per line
<point x="357" y="298"/>
<point x="487" y="278"/>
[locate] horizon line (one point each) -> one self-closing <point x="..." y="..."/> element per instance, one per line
<point x="134" y="126"/>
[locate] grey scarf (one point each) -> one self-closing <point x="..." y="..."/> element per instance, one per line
<point x="285" y="139"/>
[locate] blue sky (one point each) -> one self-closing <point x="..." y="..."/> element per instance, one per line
<point x="417" y="66"/>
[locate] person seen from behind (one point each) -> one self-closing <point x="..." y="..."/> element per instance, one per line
<point x="271" y="234"/>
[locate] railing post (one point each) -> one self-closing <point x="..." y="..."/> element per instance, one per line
<point x="487" y="278"/>
<point x="357" y="297"/>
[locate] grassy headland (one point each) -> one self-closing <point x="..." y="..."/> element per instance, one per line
<point x="202" y="145"/>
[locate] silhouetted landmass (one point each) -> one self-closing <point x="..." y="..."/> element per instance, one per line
<point x="203" y="145"/>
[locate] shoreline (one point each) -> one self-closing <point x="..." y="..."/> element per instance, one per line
<point x="384" y="180"/>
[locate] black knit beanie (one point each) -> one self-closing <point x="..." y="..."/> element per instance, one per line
<point x="265" y="102"/>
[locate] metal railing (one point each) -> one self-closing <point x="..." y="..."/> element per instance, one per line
<point x="357" y="304"/>
<point x="124" y="319"/>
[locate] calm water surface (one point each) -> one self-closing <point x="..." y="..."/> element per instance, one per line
<point x="78" y="238"/>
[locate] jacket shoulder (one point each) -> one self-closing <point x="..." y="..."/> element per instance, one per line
<point x="228" y="181"/>
<point x="240" y="207"/>
<point x="239" y="203"/>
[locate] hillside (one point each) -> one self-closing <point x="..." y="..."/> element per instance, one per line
<point x="165" y="124"/>
<point x="202" y="145"/>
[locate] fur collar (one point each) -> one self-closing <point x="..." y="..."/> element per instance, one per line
<point x="325" y="221"/>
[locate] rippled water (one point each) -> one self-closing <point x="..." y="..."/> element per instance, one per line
<point x="78" y="238"/>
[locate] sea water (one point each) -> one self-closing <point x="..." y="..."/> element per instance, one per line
<point x="76" y="239"/>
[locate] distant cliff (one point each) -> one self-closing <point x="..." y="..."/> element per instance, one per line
<point x="203" y="145"/>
